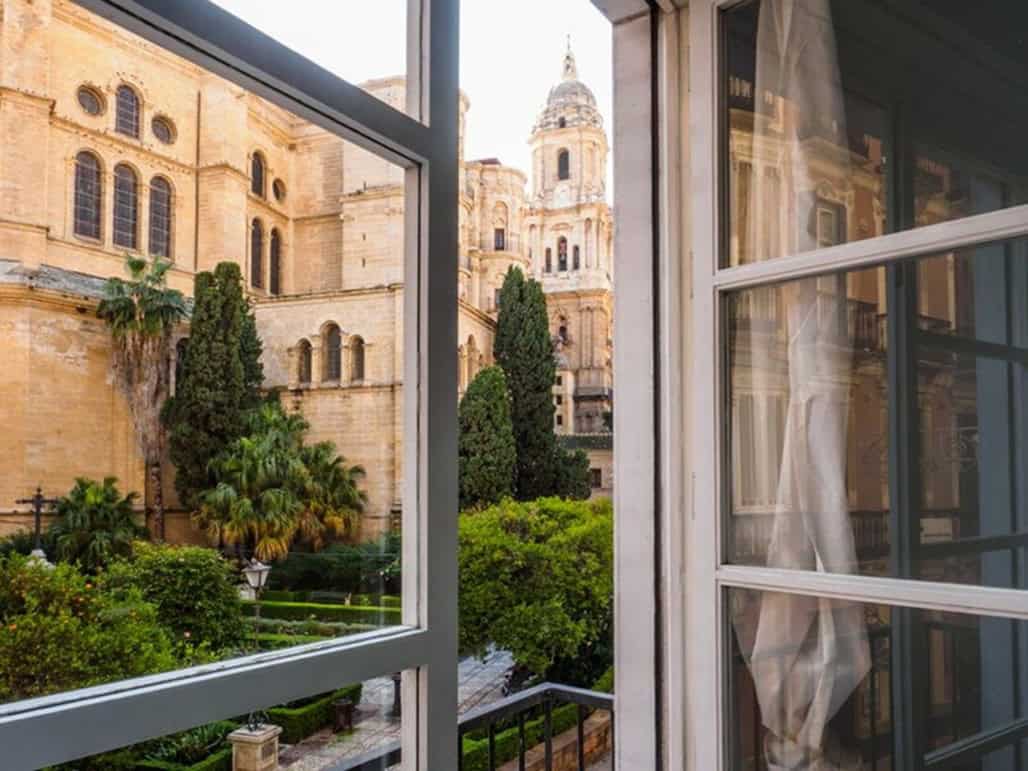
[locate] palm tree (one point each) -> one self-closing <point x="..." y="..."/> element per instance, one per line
<point x="95" y="524"/>
<point x="142" y="314"/>
<point x="271" y="489"/>
<point x="333" y="500"/>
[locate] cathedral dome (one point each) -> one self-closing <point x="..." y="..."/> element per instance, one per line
<point x="570" y="103"/>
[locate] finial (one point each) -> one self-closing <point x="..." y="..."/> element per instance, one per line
<point x="570" y="69"/>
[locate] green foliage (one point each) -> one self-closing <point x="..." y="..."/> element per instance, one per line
<point x="24" y="541"/>
<point x="95" y="524"/>
<point x="349" y="614"/>
<point x="219" y="760"/>
<point x="476" y="750"/>
<point x="193" y="589"/>
<point x="370" y="567"/>
<point x="300" y="722"/>
<point x="60" y="631"/>
<point x="487" y="454"/>
<point x="536" y="579"/>
<point x="250" y="349"/>
<point x="189" y="747"/>
<point x="571" y="474"/>
<point x="270" y="490"/>
<point x="207" y="413"/>
<point x="524" y="350"/>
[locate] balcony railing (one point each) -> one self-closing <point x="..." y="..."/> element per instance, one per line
<point x="511" y="242"/>
<point x="513" y="710"/>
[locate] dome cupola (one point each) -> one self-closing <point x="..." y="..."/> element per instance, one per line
<point x="570" y="103"/>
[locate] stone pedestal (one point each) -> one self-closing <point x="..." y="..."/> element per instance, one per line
<point x="255" y="750"/>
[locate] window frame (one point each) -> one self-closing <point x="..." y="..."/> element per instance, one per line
<point x="120" y="111"/>
<point x="161" y="225"/>
<point x="101" y="718"/>
<point x="125" y="219"/>
<point x="705" y="288"/>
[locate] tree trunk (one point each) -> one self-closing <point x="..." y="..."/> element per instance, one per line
<point x="157" y="498"/>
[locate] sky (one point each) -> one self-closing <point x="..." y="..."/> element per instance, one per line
<point x="511" y="55"/>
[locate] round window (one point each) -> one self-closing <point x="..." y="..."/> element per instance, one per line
<point x="163" y="130"/>
<point x="278" y="187"/>
<point x="90" y="100"/>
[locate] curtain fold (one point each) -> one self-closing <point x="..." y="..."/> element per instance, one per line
<point x="806" y="655"/>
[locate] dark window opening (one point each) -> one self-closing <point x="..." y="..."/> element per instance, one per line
<point x="575" y="258"/>
<point x="88" y="195"/>
<point x="126" y="119"/>
<point x="333" y="354"/>
<point x="306" y="357"/>
<point x="275" y="263"/>
<point x="257" y="175"/>
<point x="499" y="239"/>
<point x="563" y="165"/>
<point x="160" y="217"/>
<point x="562" y="254"/>
<point x="596" y="478"/>
<point x="126" y="207"/>
<point x="256" y="254"/>
<point x="357" y="360"/>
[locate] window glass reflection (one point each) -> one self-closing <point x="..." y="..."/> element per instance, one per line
<point x="836" y="131"/>
<point x="818" y="684"/>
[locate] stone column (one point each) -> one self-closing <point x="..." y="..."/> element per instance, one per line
<point x="255" y="750"/>
<point x="316" y="371"/>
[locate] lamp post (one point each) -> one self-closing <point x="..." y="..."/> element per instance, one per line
<point x="256" y="574"/>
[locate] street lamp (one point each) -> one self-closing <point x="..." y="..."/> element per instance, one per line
<point x="256" y="574"/>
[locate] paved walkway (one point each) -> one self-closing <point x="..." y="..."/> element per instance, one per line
<point x="480" y="681"/>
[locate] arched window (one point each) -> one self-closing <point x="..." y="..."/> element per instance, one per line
<point x="562" y="122"/>
<point x="356" y="360"/>
<point x="305" y="367"/>
<point x="562" y="254"/>
<point x="126" y="207"/>
<point x="126" y="118"/>
<point x="275" y="262"/>
<point x="256" y="254"/>
<point x="88" y="195"/>
<point x="333" y="353"/>
<point x="575" y="258"/>
<point x="160" y="217"/>
<point x="563" y="165"/>
<point x="257" y="174"/>
<point x="549" y="260"/>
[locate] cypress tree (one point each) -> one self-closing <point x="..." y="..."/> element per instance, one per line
<point x="487" y="455"/>
<point x="207" y="412"/>
<point x="524" y="350"/>
<point x="250" y="349"/>
<point x="572" y="474"/>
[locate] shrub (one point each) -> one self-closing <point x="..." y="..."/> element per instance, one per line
<point x="194" y="590"/>
<point x="95" y="524"/>
<point x="60" y="631"/>
<point x="300" y="722"/>
<point x="300" y="611"/>
<point x="24" y="541"/>
<point x="537" y="579"/>
<point x="189" y="747"/>
<point x="487" y="455"/>
<point x="371" y="567"/>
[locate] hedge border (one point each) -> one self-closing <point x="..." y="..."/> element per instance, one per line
<point x="356" y="614"/>
<point x="298" y="723"/>
<point x="219" y="761"/>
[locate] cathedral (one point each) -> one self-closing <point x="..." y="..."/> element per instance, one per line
<point x="114" y="146"/>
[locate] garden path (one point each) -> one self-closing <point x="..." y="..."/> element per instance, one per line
<point x="480" y="681"/>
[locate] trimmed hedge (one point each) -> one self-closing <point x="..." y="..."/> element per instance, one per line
<point x="300" y="722"/>
<point x="219" y="761"/>
<point x="271" y="641"/>
<point x="282" y="595"/>
<point x="476" y="751"/>
<point x="353" y="614"/>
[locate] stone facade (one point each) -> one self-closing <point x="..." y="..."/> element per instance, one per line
<point x="320" y="243"/>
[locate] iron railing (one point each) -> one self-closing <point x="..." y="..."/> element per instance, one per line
<point x="513" y="708"/>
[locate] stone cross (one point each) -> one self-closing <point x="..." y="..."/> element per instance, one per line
<point x="38" y="502"/>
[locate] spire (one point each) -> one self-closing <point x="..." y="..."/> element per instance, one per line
<point x="570" y="70"/>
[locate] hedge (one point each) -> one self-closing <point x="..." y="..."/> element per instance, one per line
<point x="282" y="595"/>
<point x="271" y="641"/>
<point x="476" y="751"/>
<point x="299" y="611"/>
<point x="219" y="761"/>
<point x="300" y="722"/>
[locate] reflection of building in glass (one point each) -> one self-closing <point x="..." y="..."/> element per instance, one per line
<point x="911" y="374"/>
<point x="112" y="145"/>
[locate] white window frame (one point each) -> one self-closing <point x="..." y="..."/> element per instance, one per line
<point x="52" y="729"/>
<point x="704" y="647"/>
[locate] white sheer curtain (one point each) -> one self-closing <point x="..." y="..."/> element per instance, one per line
<point x="806" y="655"/>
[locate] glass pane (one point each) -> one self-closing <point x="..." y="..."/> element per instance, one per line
<point x="822" y="684"/>
<point x="363" y="43"/>
<point x="814" y="91"/>
<point x="809" y="377"/>
<point x="256" y="426"/>
<point x="317" y="732"/>
<point x="808" y="414"/>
